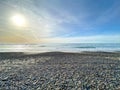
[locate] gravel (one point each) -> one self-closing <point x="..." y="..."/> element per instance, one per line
<point x="60" y="71"/>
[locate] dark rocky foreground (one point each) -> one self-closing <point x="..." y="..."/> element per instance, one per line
<point x="60" y="71"/>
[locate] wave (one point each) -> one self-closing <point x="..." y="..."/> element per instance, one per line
<point x="85" y="47"/>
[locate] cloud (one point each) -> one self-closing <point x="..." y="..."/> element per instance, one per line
<point x="87" y="39"/>
<point x="48" y="20"/>
<point x="42" y="23"/>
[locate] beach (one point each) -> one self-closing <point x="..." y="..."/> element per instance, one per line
<point x="60" y="71"/>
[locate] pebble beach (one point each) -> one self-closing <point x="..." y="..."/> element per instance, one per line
<point x="60" y="71"/>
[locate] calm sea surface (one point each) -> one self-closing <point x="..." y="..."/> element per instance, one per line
<point x="66" y="47"/>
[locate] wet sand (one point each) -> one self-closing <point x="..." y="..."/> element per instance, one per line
<point x="60" y="71"/>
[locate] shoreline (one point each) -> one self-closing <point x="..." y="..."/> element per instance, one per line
<point x="15" y="55"/>
<point x="40" y="52"/>
<point x="58" y="52"/>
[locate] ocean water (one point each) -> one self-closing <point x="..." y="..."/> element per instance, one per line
<point x="64" y="47"/>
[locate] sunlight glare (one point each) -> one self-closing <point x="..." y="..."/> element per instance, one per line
<point x="18" y="20"/>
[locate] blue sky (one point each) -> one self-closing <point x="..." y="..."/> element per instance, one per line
<point x="54" y="20"/>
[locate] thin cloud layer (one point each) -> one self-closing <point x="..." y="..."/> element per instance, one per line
<point x="50" y="21"/>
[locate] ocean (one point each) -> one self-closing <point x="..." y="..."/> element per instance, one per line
<point x="60" y="47"/>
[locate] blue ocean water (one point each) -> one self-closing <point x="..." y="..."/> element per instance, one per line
<point x="65" y="47"/>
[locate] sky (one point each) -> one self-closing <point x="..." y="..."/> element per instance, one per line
<point x="60" y="21"/>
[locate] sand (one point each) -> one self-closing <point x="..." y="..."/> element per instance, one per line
<point x="60" y="71"/>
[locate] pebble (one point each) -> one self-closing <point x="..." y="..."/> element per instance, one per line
<point x="63" y="73"/>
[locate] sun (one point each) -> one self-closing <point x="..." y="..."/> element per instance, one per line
<point x="18" y="20"/>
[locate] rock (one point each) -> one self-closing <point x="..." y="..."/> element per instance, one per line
<point x="5" y="78"/>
